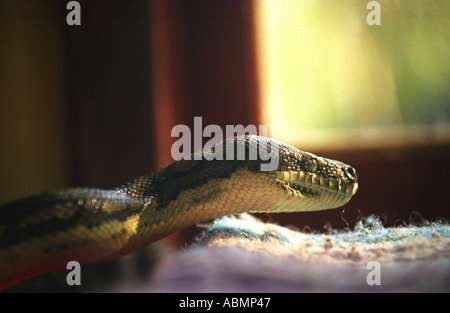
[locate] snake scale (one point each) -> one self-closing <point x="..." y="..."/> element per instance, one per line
<point x="41" y="233"/>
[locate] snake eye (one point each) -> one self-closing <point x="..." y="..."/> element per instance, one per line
<point x="351" y="174"/>
<point x="310" y="164"/>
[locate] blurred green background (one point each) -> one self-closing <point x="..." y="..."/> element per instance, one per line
<point x="327" y="74"/>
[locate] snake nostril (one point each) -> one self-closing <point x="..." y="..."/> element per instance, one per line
<point x="351" y="174"/>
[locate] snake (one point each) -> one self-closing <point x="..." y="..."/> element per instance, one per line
<point x="42" y="233"/>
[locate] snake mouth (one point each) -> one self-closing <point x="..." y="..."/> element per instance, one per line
<point x="305" y="181"/>
<point x="331" y="191"/>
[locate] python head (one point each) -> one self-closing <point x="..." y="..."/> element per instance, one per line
<point x="312" y="182"/>
<point x="257" y="174"/>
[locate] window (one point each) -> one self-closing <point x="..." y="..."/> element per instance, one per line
<point x="329" y="79"/>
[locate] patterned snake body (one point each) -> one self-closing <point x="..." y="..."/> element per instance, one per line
<point x="41" y="233"/>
